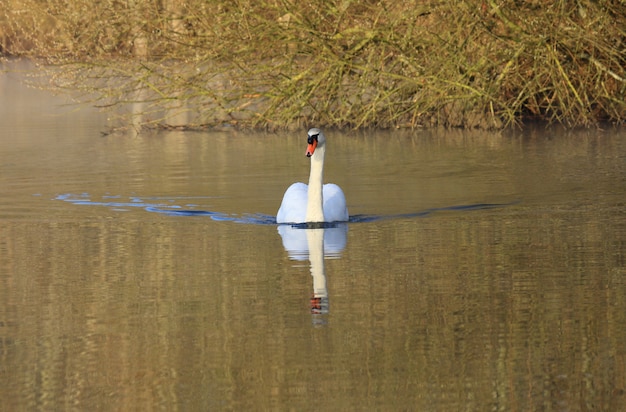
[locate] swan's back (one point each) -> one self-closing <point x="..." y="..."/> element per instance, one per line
<point x="294" y="204"/>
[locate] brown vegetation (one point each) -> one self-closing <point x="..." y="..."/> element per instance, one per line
<point x="278" y="63"/>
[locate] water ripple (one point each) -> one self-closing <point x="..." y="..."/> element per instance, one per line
<point x="169" y="206"/>
<point x="163" y="205"/>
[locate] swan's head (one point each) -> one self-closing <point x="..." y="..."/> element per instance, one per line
<point x="315" y="138"/>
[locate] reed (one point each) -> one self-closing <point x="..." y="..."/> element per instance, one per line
<point x="281" y="63"/>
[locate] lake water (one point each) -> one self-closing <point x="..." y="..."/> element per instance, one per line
<point x="483" y="271"/>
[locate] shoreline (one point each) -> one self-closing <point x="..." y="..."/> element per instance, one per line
<point x="419" y="65"/>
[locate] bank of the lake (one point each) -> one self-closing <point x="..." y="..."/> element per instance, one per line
<point x="474" y="64"/>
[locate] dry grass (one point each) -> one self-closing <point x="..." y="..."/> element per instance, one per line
<point x="281" y="63"/>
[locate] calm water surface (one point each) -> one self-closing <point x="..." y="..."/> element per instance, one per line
<point x="142" y="272"/>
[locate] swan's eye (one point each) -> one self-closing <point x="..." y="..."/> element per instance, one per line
<point x="312" y="138"/>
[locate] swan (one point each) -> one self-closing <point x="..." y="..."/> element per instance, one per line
<point x="315" y="203"/>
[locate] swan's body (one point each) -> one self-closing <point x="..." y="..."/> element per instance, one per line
<point x="315" y="202"/>
<point x="294" y="206"/>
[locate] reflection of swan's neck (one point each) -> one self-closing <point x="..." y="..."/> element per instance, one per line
<point x="315" y="239"/>
<point x="314" y="208"/>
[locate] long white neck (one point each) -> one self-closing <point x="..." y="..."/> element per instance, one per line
<point x="314" y="208"/>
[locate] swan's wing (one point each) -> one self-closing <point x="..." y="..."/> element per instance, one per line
<point x="335" y="209"/>
<point x="293" y="207"/>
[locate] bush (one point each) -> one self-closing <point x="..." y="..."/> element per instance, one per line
<point x="281" y="63"/>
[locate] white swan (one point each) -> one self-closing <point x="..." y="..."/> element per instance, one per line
<point x="316" y="202"/>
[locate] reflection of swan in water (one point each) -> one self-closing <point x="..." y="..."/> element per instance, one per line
<point x="319" y="300"/>
<point x="296" y="240"/>
<point x="316" y="202"/>
<point x="315" y="244"/>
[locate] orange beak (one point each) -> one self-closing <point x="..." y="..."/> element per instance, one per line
<point x="310" y="149"/>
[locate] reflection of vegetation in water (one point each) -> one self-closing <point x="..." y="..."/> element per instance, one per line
<point x="405" y="64"/>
